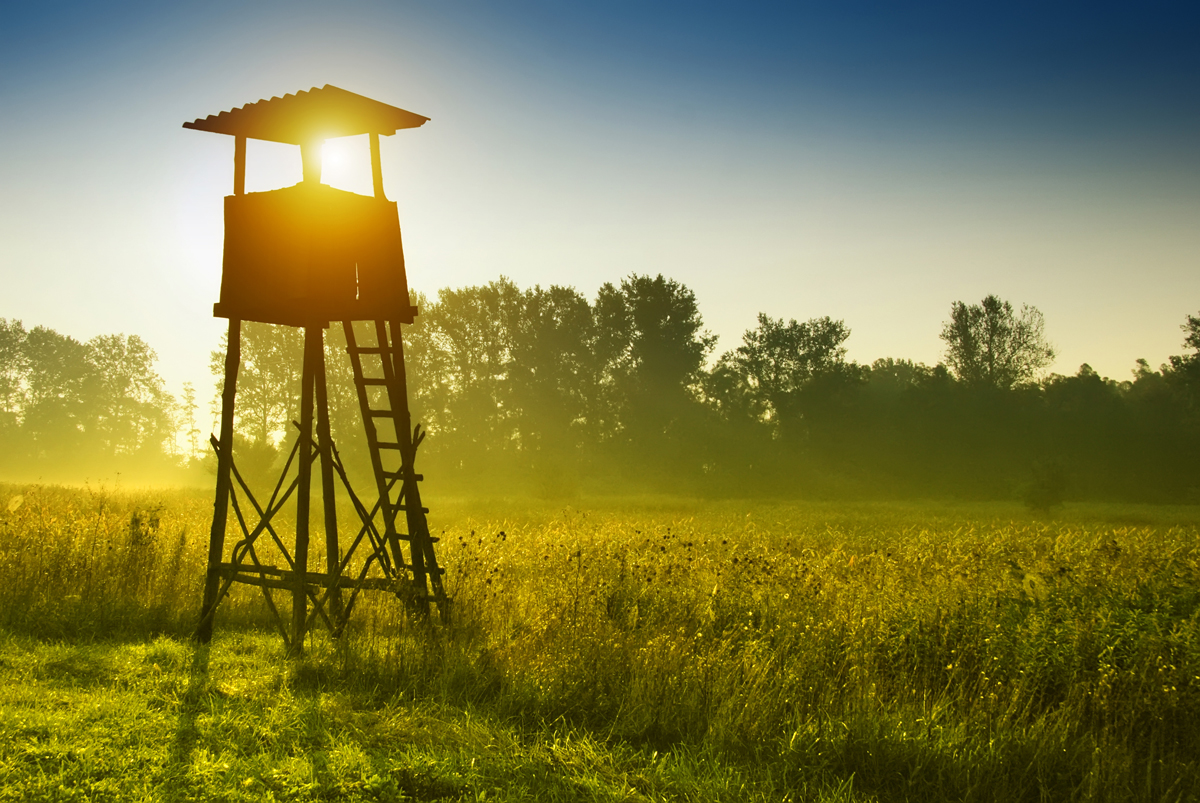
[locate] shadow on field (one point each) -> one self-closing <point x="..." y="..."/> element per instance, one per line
<point x="185" y="728"/>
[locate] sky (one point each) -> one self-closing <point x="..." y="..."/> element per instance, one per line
<point x="872" y="162"/>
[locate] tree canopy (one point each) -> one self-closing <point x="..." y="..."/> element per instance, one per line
<point x="990" y="344"/>
<point x="65" y="403"/>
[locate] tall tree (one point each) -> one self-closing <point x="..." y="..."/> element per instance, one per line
<point x="1189" y="364"/>
<point x="654" y="338"/>
<point x="989" y="344"/>
<point x="14" y="367"/>
<point x="652" y="346"/>
<point x="56" y="414"/>
<point x="127" y="405"/>
<point x="778" y="364"/>
<point x="668" y="343"/>
<point x="1184" y="369"/>
<point x="187" y="420"/>
<point x="458" y="354"/>
<point x="554" y="377"/>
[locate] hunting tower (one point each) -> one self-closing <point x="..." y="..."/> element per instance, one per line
<point x="304" y="256"/>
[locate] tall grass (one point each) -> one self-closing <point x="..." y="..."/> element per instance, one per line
<point x="923" y="651"/>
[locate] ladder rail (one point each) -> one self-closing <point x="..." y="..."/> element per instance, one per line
<point x="422" y="562"/>
<point x="381" y="485"/>
<point x="420" y="540"/>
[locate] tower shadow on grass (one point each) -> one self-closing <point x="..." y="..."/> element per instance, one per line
<point x="189" y="708"/>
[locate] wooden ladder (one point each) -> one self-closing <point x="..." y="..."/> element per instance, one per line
<point x="400" y="448"/>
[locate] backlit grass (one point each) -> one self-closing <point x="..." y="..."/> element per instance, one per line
<point x="647" y="649"/>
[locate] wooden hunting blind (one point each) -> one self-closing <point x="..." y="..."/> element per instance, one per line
<point x="305" y="256"/>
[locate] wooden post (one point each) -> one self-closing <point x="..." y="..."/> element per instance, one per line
<point x="216" y="539"/>
<point x="239" y="165"/>
<point x="312" y="344"/>
<point x="376" y="168"/>
<point x="333" y="553"/>
<point x="310" y="158"/>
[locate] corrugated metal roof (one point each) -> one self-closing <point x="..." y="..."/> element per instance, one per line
<point x="304" y="117"/>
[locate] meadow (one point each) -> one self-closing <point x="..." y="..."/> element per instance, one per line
<point x="634" y="649"/>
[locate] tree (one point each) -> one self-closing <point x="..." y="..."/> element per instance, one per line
<point x="187" y="410"/>
<point x="14" y="367"/>
<point x="57" y="409"/>
<point x="779" y="362"/>
<point x="1183" y="371"/>
<point x="462" y="353"/>
<point x="1188" y="365"/>
<point x="1192" y="330"/>
<point x="553" y="375"/>
<point x="655" y="347"/>
<point x="652" y="337"/>
<point x="268" y="381"/>
<point x="103" y="396"/>
<point x="667" y="343"/>
<point x="989" y="344"/>
<point x="127" y="406"/>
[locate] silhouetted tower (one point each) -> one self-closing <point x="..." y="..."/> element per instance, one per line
<point x="304" y="256"/>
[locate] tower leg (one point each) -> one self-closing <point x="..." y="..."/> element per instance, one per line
<point x="333" y="552"/>
<point x="312" y="350"/>
<point x="216" y="540"/>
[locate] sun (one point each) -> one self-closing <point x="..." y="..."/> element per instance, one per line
<point x="346" y="164"/>
<point x="333" y="155"/>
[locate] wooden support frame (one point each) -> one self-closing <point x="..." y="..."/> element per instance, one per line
<point x="317" y="597"/>
<point x="376" y="168"/>
<point x="216" y="542"/>
<point x="239" y="165"/>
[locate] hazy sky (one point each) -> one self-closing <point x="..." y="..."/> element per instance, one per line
<point x="870" y="162"/>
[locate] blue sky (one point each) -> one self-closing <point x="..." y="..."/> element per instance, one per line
<point x="871" y="162"/>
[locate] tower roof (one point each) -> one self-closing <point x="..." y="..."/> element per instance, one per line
<point x="304" y="117"/>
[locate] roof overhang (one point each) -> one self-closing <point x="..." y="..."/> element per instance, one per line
<point x="305" y="117"/>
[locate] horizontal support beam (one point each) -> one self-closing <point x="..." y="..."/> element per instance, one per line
<point x="272" y="577"/>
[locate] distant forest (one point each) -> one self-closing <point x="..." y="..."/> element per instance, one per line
<point x="544" y="392"/>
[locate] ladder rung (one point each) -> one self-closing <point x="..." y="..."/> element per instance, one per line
<point x="379" y="413"/>
<point x="383" y="445"/>
<point x="399" y="475"/>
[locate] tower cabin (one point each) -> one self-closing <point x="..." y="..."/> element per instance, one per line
<point x="309" y="254"/>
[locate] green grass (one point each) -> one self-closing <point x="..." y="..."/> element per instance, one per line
<point x="166" y="720"/>
<point x="653" y="649"/>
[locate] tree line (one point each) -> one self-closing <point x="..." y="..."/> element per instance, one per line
<point x="544" y="391"/>
<point x="71" y="409"/>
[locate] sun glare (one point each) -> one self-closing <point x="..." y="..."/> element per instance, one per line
<point x="332" y="156"/>
<point x="346" y="164"/>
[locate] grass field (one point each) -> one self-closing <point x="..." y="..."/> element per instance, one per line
<point x="638" y="650"/>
